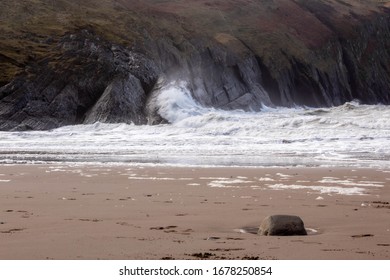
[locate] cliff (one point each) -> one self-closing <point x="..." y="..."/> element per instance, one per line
<point x="64" y="62"/>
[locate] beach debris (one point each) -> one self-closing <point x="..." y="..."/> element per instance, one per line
<point x="206" y="255"/>
<point x="362" y="235"/>
<point x="282" y="225"/>
<point x="90" y="220"/>
<point x="251" y="258"/>
<point x="213" y="238"/>
<point x="168" y="229"/>
<point x="12" y="230"/>
<point x="381" y="204"/>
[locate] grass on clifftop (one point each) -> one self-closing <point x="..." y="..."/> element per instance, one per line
<point x="29" y="28"/>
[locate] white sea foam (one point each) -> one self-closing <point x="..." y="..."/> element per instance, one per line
<point x="283" y="176"/>
<point x="349" y="135"/>
<point x="152" y="178"/>
<point x="321" y="189"/>
<point x="266" y="179"/>
<point x="351" y="182"/>
<point x="229" y="183"/>
<point x="214" y="178"/>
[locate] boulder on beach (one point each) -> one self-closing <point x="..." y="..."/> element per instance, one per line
<point x="282" y="225"/>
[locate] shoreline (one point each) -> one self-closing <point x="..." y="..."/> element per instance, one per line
<point x="139" y="212"/>
<point x="154" y="165"/>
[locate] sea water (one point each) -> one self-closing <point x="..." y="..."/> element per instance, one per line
<point x="351" y="135"/>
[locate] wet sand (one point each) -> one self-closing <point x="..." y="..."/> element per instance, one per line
<point x="106" y="212"/>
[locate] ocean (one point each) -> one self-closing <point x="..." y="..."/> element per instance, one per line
<point x="351" y="135"/>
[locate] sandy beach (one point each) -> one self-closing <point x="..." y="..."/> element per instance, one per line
<point x="125" y="212"/>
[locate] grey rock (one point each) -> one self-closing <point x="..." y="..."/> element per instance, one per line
<point x="282" y="225"/>
<point x="89" y="80"/>
<point x="121" y="102"/>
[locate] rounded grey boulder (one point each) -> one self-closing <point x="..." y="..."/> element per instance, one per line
<point x="282" y="225"/>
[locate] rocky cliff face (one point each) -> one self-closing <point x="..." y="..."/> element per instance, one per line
<point x="84" y="76"/>
<point x="86" y="81"/>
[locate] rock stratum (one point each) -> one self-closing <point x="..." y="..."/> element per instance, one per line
<point x="72" y="62"/>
